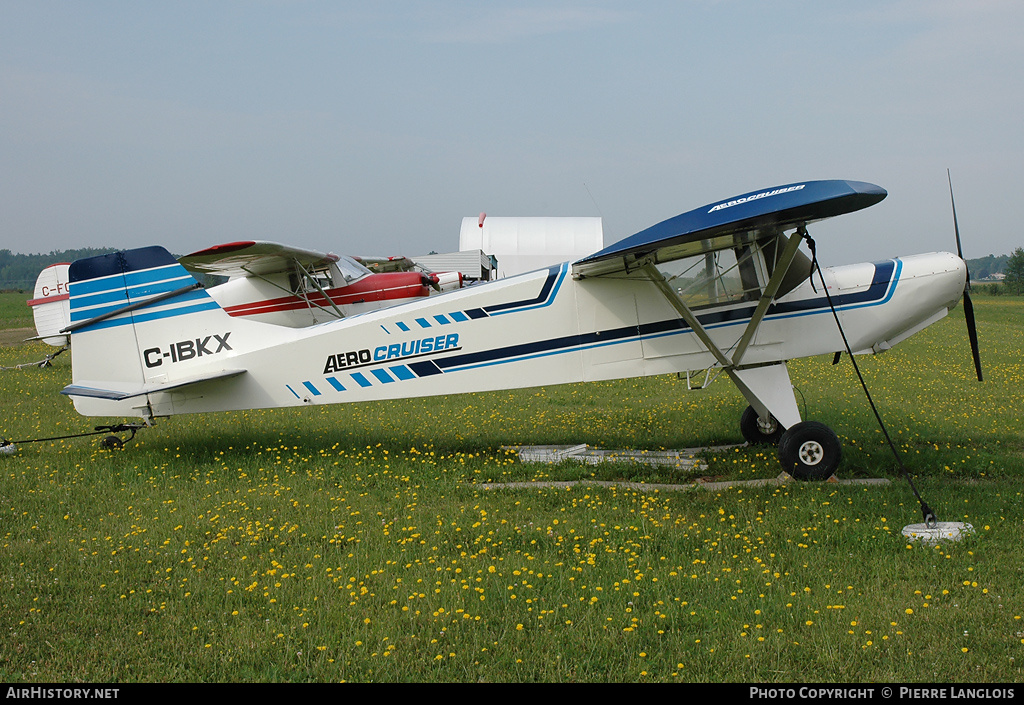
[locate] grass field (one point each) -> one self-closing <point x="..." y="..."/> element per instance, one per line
<point x="356" y="542"/>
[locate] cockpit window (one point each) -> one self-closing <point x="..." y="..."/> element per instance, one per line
<point x="715" y="278"/>
<point x="312" y="281"/>
<point x="334" y="276"/>
<point x="351" y="270"/>
<point x="733" y="273"/>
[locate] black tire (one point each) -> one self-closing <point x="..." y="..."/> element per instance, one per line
<point x="810" y="450"/>
<point x="756" y="433"/>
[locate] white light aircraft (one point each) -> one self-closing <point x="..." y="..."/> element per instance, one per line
<point x="724" y="287"/>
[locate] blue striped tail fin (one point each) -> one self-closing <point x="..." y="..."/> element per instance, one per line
<point x="135" y="286"/>
<point x="140" y="323"/>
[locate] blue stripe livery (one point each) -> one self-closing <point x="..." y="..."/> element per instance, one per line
<point x="103" y="285"/>
<point x="882" y="288"/>
<point x="548" y="291"/>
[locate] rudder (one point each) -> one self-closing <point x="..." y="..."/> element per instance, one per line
<point x="50" y="304"/>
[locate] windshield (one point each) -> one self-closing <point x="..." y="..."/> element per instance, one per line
<point x="350" y="269"/>
<point x="715" y="278"/>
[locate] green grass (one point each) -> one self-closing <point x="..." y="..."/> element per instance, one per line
<point x="355" y="542"/>
<point x="14" y="313"/>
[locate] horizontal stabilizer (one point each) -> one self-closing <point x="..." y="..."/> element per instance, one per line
<point x="85" y="389"/>
<point x="768" y="211"/>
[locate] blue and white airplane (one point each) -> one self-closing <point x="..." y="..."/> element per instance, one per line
<point x="725" y="287"/>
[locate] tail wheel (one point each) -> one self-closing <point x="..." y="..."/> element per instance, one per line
<point x="810" y="450"/>
<point x="112" y="443"/>
<point x="757" y="432"/>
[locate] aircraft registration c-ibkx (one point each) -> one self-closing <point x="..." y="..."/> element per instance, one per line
<point x="724" y="287"/>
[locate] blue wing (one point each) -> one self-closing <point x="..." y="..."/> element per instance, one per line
<point x="756" y="215"/>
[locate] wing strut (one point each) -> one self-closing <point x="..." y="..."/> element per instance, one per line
<point x="302" y="272"/>
<point x="766" y="387"/>
<point x="312" y="280"/>
<point x="772" y="288"/>
<point x="683" y="310"/>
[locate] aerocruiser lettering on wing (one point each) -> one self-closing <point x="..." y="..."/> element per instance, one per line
<point x="755" y="197"/>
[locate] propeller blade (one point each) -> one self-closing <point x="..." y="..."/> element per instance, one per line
<point x="972" y="328"/>
<point x="972" y="331"/>
<point x="956" y="227"/>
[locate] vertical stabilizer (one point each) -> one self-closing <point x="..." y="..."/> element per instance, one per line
<point x="50" y="304"/>
<point x="139" y="323"/>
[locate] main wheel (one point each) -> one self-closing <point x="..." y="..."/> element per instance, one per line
<point x="810" y="450"/>
<point x="756" y="432"/>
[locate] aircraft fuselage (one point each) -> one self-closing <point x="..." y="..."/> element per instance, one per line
<point x="540" y="328"/>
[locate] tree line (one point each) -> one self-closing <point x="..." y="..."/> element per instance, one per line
<point x="1013" y="276"/>
<point x="18" y="272"/>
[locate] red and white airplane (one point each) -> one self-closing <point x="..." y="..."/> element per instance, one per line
<point x="289" y="286"/>
<point x="272" y="283"/>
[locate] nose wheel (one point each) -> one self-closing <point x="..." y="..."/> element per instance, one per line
<point x="810" y="450"/>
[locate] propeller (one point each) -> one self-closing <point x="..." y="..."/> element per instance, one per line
<point x="972" y="329"/>
<point x="430" y="280"/>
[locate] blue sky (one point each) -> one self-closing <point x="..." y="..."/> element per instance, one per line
<point x="373" y="128"/>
